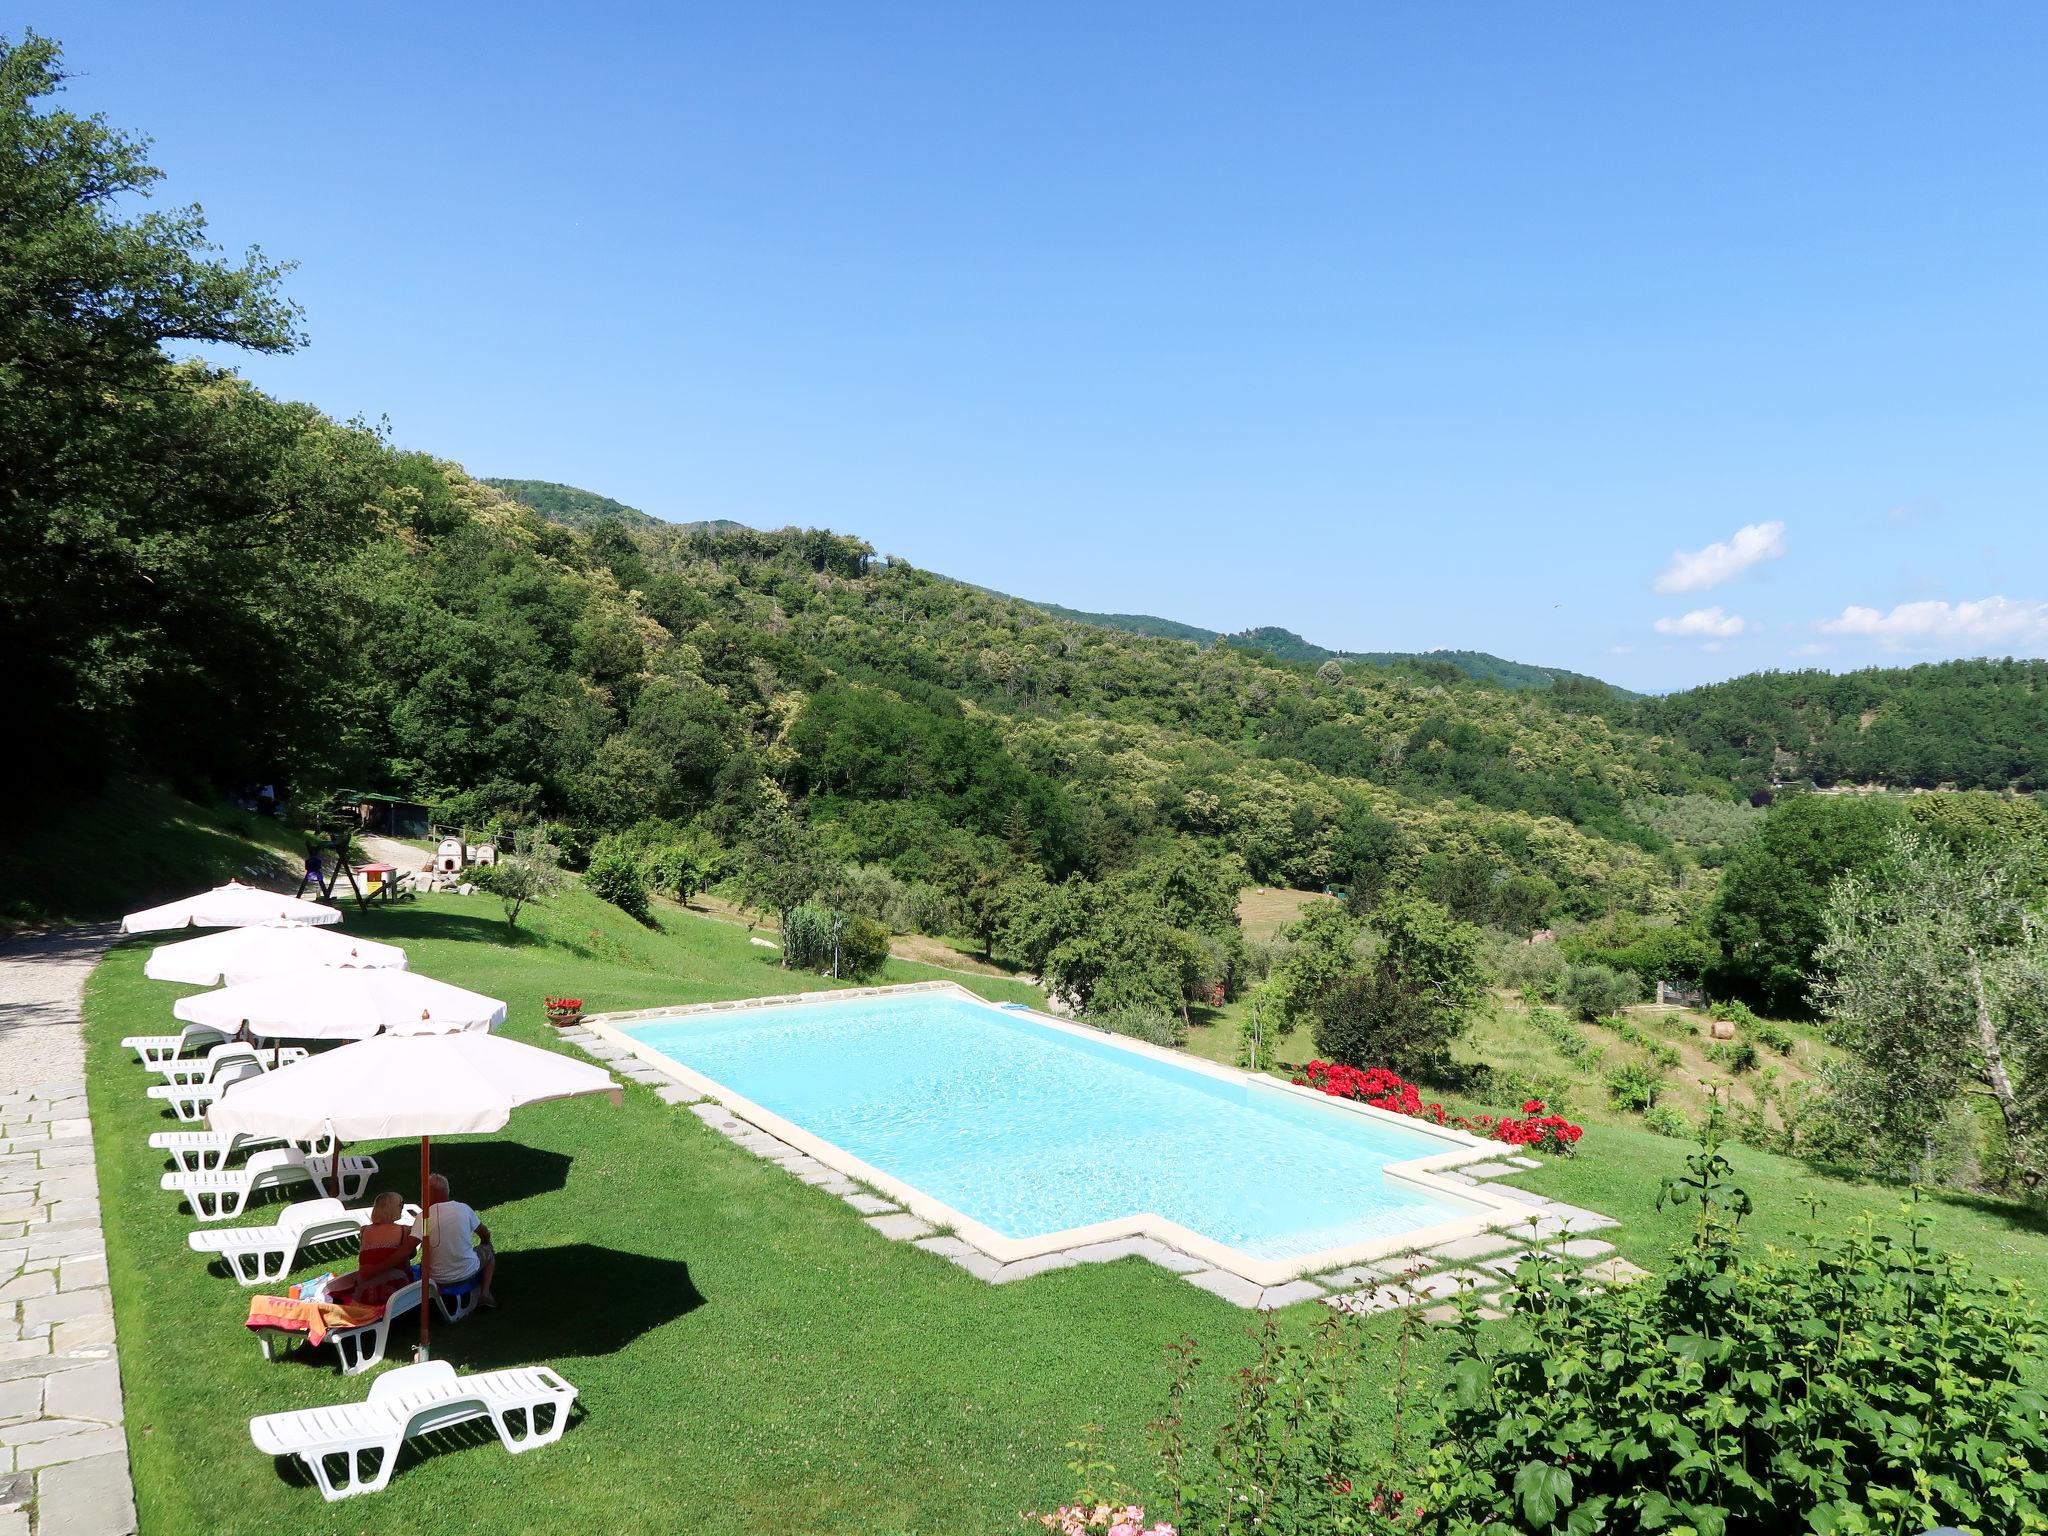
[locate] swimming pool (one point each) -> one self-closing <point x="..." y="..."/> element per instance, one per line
<point x="1028" y="1134"/>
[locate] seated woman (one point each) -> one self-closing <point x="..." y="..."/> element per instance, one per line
<point x="387" y="1248"/>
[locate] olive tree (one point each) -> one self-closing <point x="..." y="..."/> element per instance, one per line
<point x="1934" y="978"/>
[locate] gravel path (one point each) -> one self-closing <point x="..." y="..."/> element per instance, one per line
<point x="42" y="980"/>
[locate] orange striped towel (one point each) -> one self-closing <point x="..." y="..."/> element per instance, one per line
<point x="315" y="1319"/>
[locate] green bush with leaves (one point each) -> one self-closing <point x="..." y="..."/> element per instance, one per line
<point x="1858" y="1385"/>
<point x="863" y="947"/>
<point x="1635" y="1087"/>
<point x="1666" y="1121"/>
<point x="614" y="875"/>
<point x="1158" y="1026"/>
<point x="1592" y="991"/>
<point x="1735" y="1056"/>
<point x="1776" y="1036"/>
<point x="807" y="938"/>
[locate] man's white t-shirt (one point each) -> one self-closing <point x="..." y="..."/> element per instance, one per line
<point x="451" y="1226"/>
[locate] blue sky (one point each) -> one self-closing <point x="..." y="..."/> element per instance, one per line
<point x="1401" y="326"/>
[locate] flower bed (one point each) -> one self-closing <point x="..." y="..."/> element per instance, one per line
<point x="1535" y="1129"/>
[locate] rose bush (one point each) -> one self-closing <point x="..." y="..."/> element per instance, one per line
<point x="1535" y="1129"/>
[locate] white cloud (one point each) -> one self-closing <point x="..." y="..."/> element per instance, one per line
<point x="1935" y="624"/>
<point x="1621" y="650"/>
<point x="1708" y="623"/>
<point x="1700" y="569"/>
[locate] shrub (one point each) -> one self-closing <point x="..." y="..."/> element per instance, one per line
<point x="806" y="939"/>
<point x="1738" y="1014"/>
<point x="1666" y="1121"/>
<point x="1737" y="1056"/>
<point x="614" y="875"/>
<point x="1593" y="991"/>
<point x="1536" y="1128"/>
<point x="1858" y="1384"/>
<point x="807" y="942"/>
<point x="1662" y="1052"/>
<point x="1776" y="1036"/>
<point x="863" y="947"/>
<point x="1635" y="1087"/>
<point x="1157" y="1026"/>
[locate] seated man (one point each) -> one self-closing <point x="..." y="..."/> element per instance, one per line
<point x="459" y="1244"/>
<point x="386" y="1250"/>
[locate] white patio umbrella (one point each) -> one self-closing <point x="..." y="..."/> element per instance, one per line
<point x="236" y="955"/>
<point x="406" y="1085"/>
<point x="233" y="905"/>
<point x="326" y="1003"/>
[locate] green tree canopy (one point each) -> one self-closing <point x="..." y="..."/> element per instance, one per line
<point x="1767" y="916"/>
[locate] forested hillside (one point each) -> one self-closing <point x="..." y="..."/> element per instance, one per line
<point x="1960" y="724"/>
<point x="1286" y="645"/>
<point x="206" y="585"/>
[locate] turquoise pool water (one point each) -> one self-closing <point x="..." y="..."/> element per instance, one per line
<point x="1031" y="1130"/>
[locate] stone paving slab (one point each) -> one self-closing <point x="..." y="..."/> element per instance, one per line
<point x="1371" y="1299"/>
<point x="900" y="1227"/>
<point x="1235" y="1289"/>
<point x="63" y="1444"/>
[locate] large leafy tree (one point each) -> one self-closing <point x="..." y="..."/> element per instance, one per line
<point x="1767" y="914"/>
<point x="1934" y="976"/>
<point x="1415" y="997"/>
<point x="158" y="521"/>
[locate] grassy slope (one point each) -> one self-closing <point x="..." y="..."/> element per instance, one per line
<point x="751" y="1356"/>
<point x="135" y="845"/>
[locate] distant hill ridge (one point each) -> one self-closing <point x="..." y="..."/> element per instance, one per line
<point x="582" y="510"/>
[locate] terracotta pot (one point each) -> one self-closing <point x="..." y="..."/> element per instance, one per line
<point x="564" y="1020"/>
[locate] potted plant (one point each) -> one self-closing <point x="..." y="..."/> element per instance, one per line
<point x="563" y="1011"/>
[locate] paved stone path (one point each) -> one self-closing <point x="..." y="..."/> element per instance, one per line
<point x="63" y="1451"/>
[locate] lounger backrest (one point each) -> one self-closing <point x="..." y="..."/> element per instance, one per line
<point x="307" y="1213"/>
<point x="412" y="1378"/>
<point x="269" y="1162"/>
<point x="222" y="1056"/>
<point x="237" y="1072"/>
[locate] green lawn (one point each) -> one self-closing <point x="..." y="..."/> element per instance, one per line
<point x="751" y="1357"/>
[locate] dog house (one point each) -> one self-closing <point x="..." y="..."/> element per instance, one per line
<point x="450" y="856"/>
<point x="483" y="853"/>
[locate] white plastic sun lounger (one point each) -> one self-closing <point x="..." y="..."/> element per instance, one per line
<point x="224" y="1194"/>
<point x="190" y="1101"/>
<point x="265" y="1255"/>
<point x="362" y="1348"/>
<point x="528" y="1407"/>
<point x="209" y="1151"/>
<point x="157" y="1050"/>
<point x="205" y="1068"/>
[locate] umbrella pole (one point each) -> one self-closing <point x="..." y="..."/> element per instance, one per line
<point x="426" y="1242"/>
